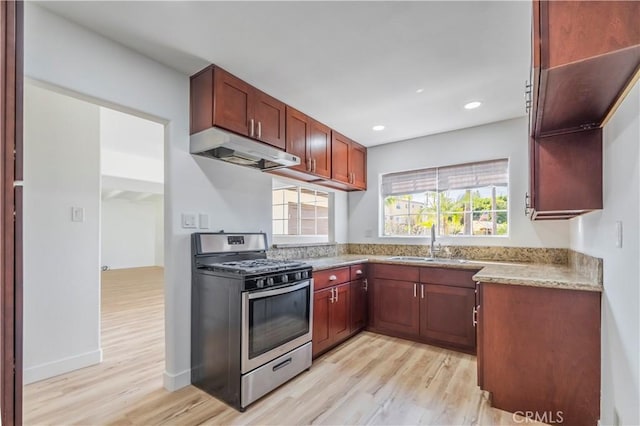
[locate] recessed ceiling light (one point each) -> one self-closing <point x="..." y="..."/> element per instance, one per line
<point x="419" y="90"/>
<point x="472" y="105"/>
<point x="378" y="127"/>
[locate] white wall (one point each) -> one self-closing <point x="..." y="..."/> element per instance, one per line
<point x="76" y="59"/>
<point x="61" y="257"/>
<point x="505" y="139"/>
<point x="595" y="234"/>
<point x="129" y="233"/>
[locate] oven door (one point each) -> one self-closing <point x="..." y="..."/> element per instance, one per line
<point x="275" y="322"/>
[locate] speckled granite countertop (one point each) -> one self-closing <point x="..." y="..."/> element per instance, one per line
<point x="527" y="274"/>
<point x="538" y="275"/>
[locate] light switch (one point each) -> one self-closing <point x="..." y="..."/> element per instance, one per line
<point x="203" y="221"/>
<point x="77" y="214"/>
<point x="619" y="233"/>
<point x="189" y="220"/>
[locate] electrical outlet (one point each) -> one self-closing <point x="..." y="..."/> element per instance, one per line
<point x="203" y="221"/>
<point x="189" y="220"/>
<point x="77" y="214"/>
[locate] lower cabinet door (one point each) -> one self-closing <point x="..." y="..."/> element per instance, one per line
<point x="322" y="337"/>
<point x="358" y="305"/>
<point x="340" y="313"/>
<point x="397" y="306"/>
<point x="446" y="315"/>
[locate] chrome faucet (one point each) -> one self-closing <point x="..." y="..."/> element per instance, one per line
<point x="434" y="250"/>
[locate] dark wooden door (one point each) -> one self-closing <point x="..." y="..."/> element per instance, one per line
<point x="340" y="157"/>
<point x="232" y="103"/>
<point x="569" y="171"/>
<point x="297" y="137"/>
<point x="397" y="306"/>
<point x="269" y="118"/>
<point x="358" y="163"/>
<point x="320" y="148"/>
<point x="358" y="305"/>
<point x="11" y="43"/>
<point x="340" y="313"/>
<point x="446" y="314"/>
<point x="322" y="337"/>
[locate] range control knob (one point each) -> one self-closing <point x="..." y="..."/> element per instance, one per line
<point x="270" y="281"/>
<point x="260" y="282"/>
<point x="298" y="276"/>
<point x="305" y="274"/>
<point x="285" y="278"/>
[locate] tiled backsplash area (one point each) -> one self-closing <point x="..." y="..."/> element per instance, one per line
<point x="514" y="254"/>
<point x="587" y="265"/>
<point x="307" y="251"/>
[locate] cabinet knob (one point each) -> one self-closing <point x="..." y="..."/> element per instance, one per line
<point x="332" y="278"/>
<point x="359" y="272"/>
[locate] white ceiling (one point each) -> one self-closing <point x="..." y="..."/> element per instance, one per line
<point x="351" y="65"/>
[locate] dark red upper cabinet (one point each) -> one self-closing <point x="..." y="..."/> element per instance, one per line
<point x="585" y="54"/>
<point x="223" y="100"/>
<point x="349" y="162"/>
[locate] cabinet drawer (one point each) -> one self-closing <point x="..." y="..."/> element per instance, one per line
<point x="446" y="276"/>
<point x="358" y="272"/>
<point x="329" y="277"/>
<point x="395" y="272"/>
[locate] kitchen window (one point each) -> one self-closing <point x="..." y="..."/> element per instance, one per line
<point x="466" y="199"/>
<point x="300" y="213"/>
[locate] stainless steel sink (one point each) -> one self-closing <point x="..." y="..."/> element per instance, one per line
<point x="426" y="259"/>
<point x="412" y="258"/>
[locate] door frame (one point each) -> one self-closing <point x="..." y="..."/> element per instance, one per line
<point x="11" y="89"/>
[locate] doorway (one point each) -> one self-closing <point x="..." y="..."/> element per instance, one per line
<point x="94" y="180"/>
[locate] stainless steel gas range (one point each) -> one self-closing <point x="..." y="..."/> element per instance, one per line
<point x="251" y="317"/>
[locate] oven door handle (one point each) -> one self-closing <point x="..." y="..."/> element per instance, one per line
<point x="278" y="291"/>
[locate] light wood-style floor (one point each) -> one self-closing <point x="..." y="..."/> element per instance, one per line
<point x="371" y="379"/>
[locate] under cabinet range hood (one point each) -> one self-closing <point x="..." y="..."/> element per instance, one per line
<point x="222" y="145"/>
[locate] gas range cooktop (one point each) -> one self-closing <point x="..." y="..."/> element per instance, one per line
<point x="255" y="266"/>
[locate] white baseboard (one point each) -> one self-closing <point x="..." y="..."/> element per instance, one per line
<point x="173" y="382"/>
<point x="61" y="366"/>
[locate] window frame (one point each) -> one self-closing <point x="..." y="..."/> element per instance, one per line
<point x="439" y="214"/>
<point x="302" y="238"/>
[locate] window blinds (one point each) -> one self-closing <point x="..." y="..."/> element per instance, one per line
<point x="461" y="176"/>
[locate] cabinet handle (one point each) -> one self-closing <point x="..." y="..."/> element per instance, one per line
<point x="332" y="298"/>
<point x="259" y="129"/>
<point x="422" y="291"/>
<point x="251" y="132"/>
<point x="336" y="294"/>
<point x="474" y="316"/>
<point x="308" y="164"/>
<point x="527" y="204"/>
<point x="314" y="165"/>
<point x="332" y="278"/>
<point x="353" y="177"/>
<point x="415" y="290"/>
<point x="366" y="285"/>
<point x="359" y="272"/>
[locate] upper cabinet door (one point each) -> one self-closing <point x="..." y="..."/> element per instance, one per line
<point x="358" y="163"/>
<point x="232" y="103"/>
<point x="340" y="157"/>
<point x="320" y="148"/>
<point x="269" y="119"/>
<point x="297" y="136"/>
